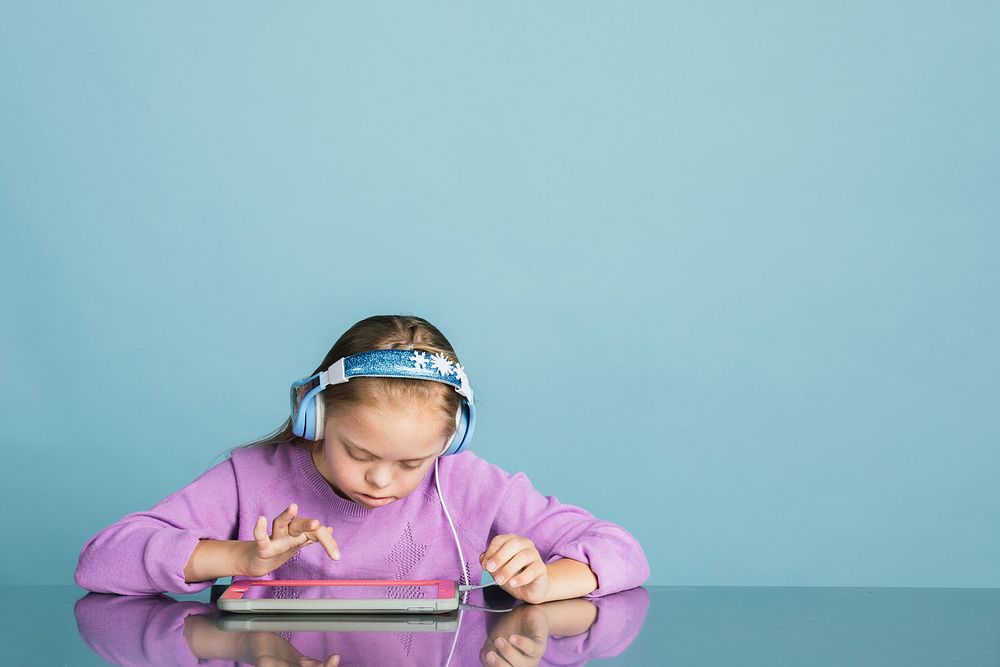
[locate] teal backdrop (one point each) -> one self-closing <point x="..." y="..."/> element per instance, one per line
<point x="724" y="273"/>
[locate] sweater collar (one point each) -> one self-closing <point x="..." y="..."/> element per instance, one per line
<point x="322" y="488"/>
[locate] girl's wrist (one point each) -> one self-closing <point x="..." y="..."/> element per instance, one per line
<point x="212" y="559"/>
<point x="243" y="554"/>
<point x="569" y="578"/>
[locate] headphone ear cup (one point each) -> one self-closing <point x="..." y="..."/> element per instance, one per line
<point x="320" y="413"/>
<point x="313" y="412"/>
<point x="454" y="435"/>
<point x="463" y="431"/>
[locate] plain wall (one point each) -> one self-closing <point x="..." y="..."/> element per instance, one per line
<point x="724" y="273"/>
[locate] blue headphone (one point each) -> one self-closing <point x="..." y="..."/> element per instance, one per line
<point x="307" y="406"/>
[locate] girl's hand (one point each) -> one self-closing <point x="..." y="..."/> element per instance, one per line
<point x="208" y="643"/>
<point x="517" y="567"/>
<point x="519" y="638"/>
<point x="290" y="533"/>
<point x="274" y="650"/>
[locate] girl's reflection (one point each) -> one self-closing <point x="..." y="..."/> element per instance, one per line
<point x="158" y="630"/>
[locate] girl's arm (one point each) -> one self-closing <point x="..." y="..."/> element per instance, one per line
<point x="212" y="559"/>
<point x="262" y="555"/>
<point x="562" y="532"/>
<point x="570" y="578"/>
<point x="147" y="552"/>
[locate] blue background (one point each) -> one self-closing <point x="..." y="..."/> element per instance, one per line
<point x="725" y="273"/>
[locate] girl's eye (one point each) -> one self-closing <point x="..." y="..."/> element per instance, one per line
<point x="363" y="460"/>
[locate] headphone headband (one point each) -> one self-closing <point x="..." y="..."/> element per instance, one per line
<point x="307" y="407"/>
<point x="401" y="364"/>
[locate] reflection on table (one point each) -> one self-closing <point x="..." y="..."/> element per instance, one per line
<point x="145" y="630"/>
<point x="682" y="626"/>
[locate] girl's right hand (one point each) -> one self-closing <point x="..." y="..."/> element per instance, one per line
<point x="290" y="533"/>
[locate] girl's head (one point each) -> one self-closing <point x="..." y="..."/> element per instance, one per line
<point x="381" y="435"/>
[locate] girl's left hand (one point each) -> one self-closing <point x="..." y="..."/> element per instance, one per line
<point x="517" y="567"/>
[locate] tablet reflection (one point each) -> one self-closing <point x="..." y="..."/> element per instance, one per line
<point x="158" y="630"/>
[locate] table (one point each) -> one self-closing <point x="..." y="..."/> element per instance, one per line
<point x="655" y="625"/>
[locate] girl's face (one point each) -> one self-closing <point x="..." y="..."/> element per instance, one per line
<point x="377" y="455"/>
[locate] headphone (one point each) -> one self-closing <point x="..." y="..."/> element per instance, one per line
<point x="307" y="408"/>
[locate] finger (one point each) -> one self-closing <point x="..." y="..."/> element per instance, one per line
<point x="508" y="550"/>
<point x="525" y="645"/>
<point x="529" y="575"/>
<point x="492" y="547"/>
<point x="280" y="523"/>
<point x="511" y="547"/>
<point x="518" y="562"/>
<point x="488" y="559"/>
<point x="324" y="535"/>
<point x="280" y="526"/>
<point x="300" y="525"/>
<point x="312" y="532"/>
<point x="260" y="531"/>
<point x="494" y="658"/>
<point x="509" y="652"/>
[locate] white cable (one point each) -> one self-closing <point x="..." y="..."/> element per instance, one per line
<point x="476" y="588"/>
<point x="454" y="639"/>
<point x="497" y="611"/>
<point x="461" y="560"/>
<point x="447" y="514"/>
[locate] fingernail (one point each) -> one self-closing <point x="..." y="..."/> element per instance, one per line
<point x="513" y="582"/>
<point x="491" y="657"/>
<point x="500" y="580"/>
<point x="499" y="642"/>
<point x="491" y="566"/>
<point x="336" y="555"/>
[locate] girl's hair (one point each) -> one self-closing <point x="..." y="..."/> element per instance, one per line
<point x="381" y="332"/>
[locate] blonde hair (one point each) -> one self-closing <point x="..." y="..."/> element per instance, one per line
<point x="381" y="332"/>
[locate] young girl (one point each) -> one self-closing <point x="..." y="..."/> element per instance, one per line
<point x="376" y="443"/>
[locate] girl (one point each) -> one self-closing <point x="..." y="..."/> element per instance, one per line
<point x="351" y="471"/>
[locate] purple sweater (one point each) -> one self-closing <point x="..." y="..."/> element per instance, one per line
<point x="145" y="552"/>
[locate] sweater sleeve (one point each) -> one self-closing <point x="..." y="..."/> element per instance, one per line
<point x="565" y="531"/>
<point x="145" y="552"/>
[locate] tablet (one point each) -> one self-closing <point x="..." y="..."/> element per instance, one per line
<point x="357" y="596"/>
<point x="340" y="622"/>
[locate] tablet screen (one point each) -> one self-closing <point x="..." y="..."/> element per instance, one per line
<point x="340" y="592"/>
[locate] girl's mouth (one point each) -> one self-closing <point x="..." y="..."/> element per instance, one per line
<point x="373" y="501"/>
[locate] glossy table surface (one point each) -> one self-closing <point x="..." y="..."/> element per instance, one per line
<point x="63" y="625"/>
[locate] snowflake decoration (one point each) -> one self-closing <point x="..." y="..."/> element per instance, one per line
<point x="442" y="364"/>
<point x="419" y="360"/>
<point x="460" y="372"/>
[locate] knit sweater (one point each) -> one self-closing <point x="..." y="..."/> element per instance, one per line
<point x="146" y="552"/>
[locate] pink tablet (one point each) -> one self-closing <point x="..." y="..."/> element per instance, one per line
<point x="376" y="596"/>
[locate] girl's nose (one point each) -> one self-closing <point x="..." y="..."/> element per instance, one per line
<point x="379" y="476"/>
